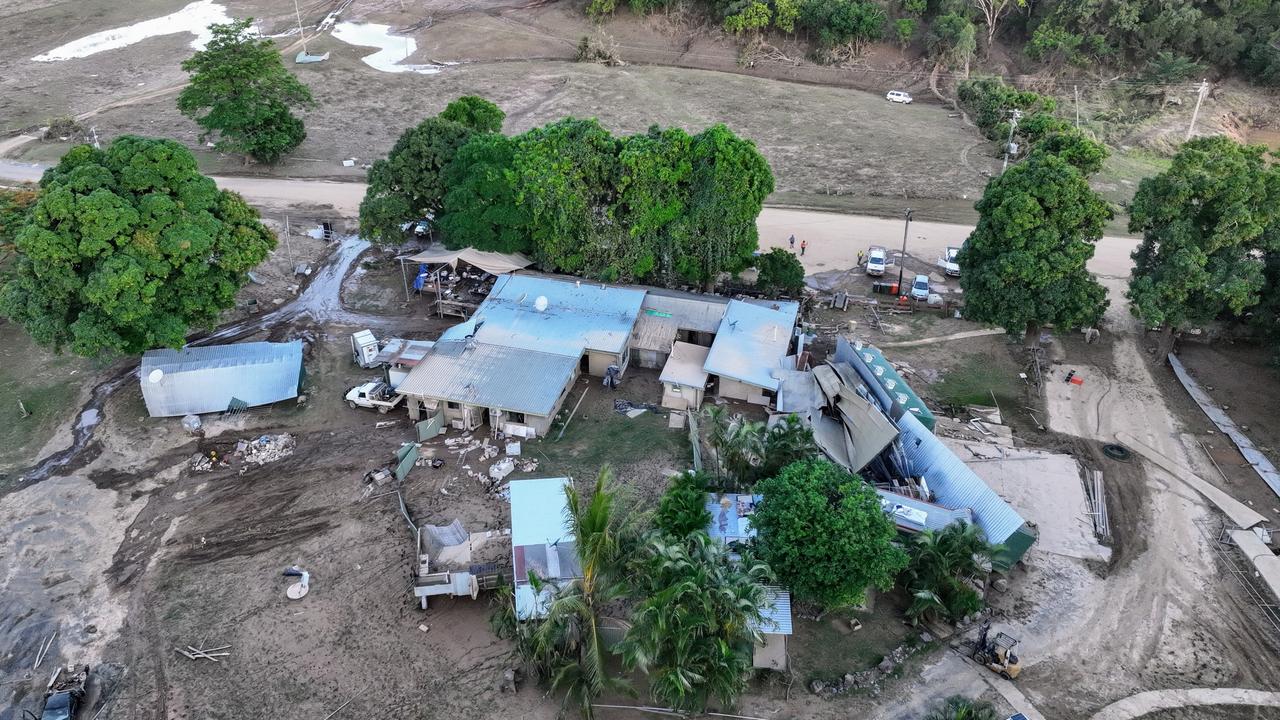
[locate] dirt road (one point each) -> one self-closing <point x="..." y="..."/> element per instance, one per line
<point x="1148" y="618"/>
<point x="833" y="239"/>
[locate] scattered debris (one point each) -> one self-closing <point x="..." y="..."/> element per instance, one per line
<point x="201" y="462"/>
<point x="267" y="448"/>
<point x="383" y="424"/>
<point x="869" y="680"/>
<point x="211" y="654"/>
<point x="299" y="589"/>
<point x="502" y="468"/>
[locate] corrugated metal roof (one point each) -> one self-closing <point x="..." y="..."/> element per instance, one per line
<point x="798" y="392"/>
<point x="407" y="353"/>
<point x="653" y="332"/>
<point x="915" y="515"/>
<point x="695" y="313"/>
<point x="751" y="344"/>
<point x="577" y="317"/>
<point x="869" y="430"/>
<point x="731" y="515"/>
<point x="776" y="611"/>
<point x="197" y="380"/>
<point x="491" y="376"/>
<point x="876" y="370"/>
<point x="953" y="483"/>
<point x="684" y="367"/>
<point x="831" y="438"/>
<point x="828" y="381"/>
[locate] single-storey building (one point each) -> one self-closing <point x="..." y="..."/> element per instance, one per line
<point x="669" y="316"/>
<point x="683" y="379"/>
<point x="513" y="362"/>
<point x="774" y="627"/>
<point x="752" y="343"/>
<point x="541" y="542"/>
<point x="218" y="378"/>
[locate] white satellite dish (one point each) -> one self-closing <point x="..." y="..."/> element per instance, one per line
<point x="540" y="304"/>
<point x="156" y="375"/>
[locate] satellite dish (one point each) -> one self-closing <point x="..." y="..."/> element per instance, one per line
<point x="540" y="304"/>
<point x="156" y="375"/>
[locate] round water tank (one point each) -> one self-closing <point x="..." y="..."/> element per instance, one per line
<point x="156" y="375"/>
<point x="540" y="304"/>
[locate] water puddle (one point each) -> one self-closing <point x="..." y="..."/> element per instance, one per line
<point x="392" y="49"/>
<point x="195" y="18"/>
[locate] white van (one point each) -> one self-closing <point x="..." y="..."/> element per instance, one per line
<point x="898" y="96"/>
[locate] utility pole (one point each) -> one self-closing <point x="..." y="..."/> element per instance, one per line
<point x="903" y="257"/>
<point x="288" y="246"/>
<point x="1077" y="89"/>
<point x="1014" y="117"/>
<point x="1204" y="90"/>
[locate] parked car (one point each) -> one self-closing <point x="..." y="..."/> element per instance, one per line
<point x="877" y="259"/>
<point x="948" y="262"/>
<point x="898" y="96"/>
<point x="920" y="288"/>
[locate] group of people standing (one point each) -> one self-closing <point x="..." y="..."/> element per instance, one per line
<point x="803" y="244"/>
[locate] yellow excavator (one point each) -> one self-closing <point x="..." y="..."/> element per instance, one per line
<point x="996" y="653"/>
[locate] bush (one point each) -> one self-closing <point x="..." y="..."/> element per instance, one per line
<point x="779" y="271"/>
<point x="904" y="29"/>
<point x="683" y="507"/>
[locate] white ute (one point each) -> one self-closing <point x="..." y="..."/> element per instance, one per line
<point x="948" y="262"/>
<point x="374" y="394"/>
<point x="877" y="259"/>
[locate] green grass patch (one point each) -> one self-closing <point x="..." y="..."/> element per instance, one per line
<point x="973" y="381"/>
<point x="604" y="436"/>
<point x="46" y="384"/>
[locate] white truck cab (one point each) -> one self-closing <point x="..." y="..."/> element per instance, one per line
<point x="877" y="259"/>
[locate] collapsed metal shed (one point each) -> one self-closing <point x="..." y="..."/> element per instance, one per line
<point x="198" y="380"/>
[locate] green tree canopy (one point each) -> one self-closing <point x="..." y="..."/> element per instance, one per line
<point x="1024" y="264"/>
<point x="1203" y="223"/>
<point x="242" y="92"/>
<point x="779" y="272"/>
<point x="480" y="207"/>
<point x="823" y="532"/>
<point x="129" y="247"/>
<point x="941" y="563"/>
<point x="409" y="182"/>
<point x="730" y="182"/>
<point x="476" y="113"/>
<point x="696" y="621"/>
<point x="683" y="507"/>
<point x="14" y="205"/>
<point x="952" y="40"/>
<point x="655" y="176"/>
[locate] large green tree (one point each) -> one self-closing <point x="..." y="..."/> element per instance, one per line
<point x="567" y="172"/>
<point x="655" y="172"/>
<point x="480" y="208"/>
<point x="1024" y="264"/>
<point x="129" y="247"/>
<point x="241" y="92"/>
<point x="730" y="182"/>
<point x="824" y="533"/>
<point x="698" y="615"/>
<point x="779" y="271"/>
<point x="1203" y="223"/>
<point x="409" y="182"/>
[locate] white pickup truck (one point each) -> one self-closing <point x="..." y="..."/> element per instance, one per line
<point x="948" y="262"/>
<point x="877" y="260"/>
<point x="374" y="394"/>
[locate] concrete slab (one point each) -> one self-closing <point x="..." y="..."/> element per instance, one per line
<point x="1045" y="488"/>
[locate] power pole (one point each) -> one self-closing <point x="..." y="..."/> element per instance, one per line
<point x="1014" y="117"/>
<point x="903" y="257"/>
<point x="1204" y="90"/>
<point x="298" y="14"/>
<point x="1077" y="89"/>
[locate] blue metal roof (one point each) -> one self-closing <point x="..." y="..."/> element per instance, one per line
<point x="731" y="515"/>
<point x="540" y="541"/>
<point x="577" y="316"/>
<point x="751" y="343"/>
<point x="915" y="515"/>
<point x="491" y="376"/>
<point x="776" y="612"/>
<point x="953" y="483"/>
<point x="197" y="380"/>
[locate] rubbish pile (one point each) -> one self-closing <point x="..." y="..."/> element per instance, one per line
<point x="201" y="463"/>
<point x="265" y="449"/>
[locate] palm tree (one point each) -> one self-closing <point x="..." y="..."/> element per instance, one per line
<point x="698" y="619"/>
<point x="958" y="707"/>
<point x="941" y="565"/>
<point x="567" y="648"/>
